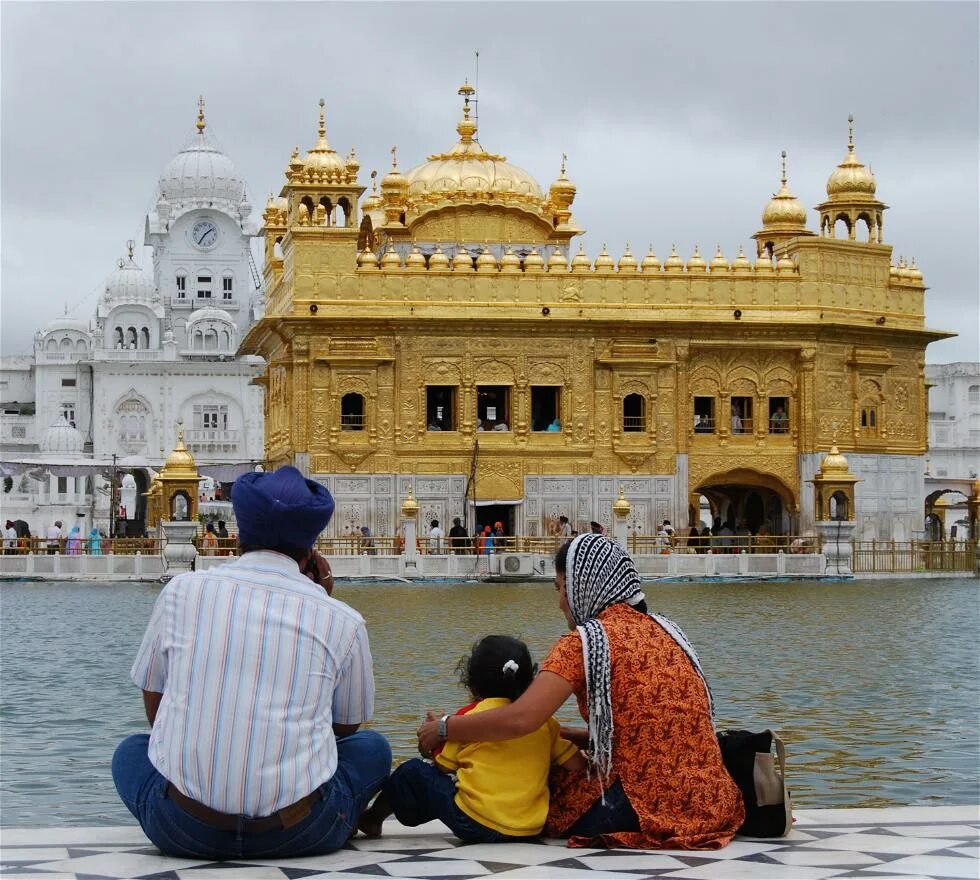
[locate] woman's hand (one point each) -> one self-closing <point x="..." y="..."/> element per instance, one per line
<point x="428" y="734"/>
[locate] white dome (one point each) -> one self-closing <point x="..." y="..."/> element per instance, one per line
<point x="129" y="283"/>
<point x="62" y="439"/>
<point x="201" y="172"/>
<point x="66" y="323"/>
<point x="209" y="313"/>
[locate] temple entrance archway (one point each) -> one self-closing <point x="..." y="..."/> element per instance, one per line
<point x="747" y="496"/>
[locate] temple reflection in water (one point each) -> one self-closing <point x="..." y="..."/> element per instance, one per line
<point x="446" y="326"/>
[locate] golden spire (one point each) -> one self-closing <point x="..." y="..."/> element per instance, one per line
<point x="783" y="154"/>
<point x="466" y="127"/>
<point x="200" y="115"/>
<point x="323" y="124"/>
<point x="394" y="158"/>
<point x="129" y="246"/>
<point x="850" y="132"/>
<point x="564" y="158"/>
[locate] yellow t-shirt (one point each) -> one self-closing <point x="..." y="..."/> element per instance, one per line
<point x="504" y="785"/>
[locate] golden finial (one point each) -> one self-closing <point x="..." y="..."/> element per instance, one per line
<point x="323" y="124"/>
<point x="120" y="262"/>
<point x="466" y="90"/>
<point x="180" y="434"/>
<point x="129" y="246"/>
<point x="394" y="158"/>
<point x="564" y="158"/>
<point x="374" y="182"/>
<point x="784" y="167"/>
<point x="741" y="251"/>
<point x="850" y="133"/>
<point x="200" y="115"/>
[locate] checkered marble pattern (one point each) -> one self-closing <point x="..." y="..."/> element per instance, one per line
<point x="912" y="843"/>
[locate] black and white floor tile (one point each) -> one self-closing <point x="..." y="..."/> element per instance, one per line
<point x="913" y="843"/>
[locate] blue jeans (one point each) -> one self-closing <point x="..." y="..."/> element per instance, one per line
<point x="616" y="814"/>
<point x="364" y="761"/>
<point x="418" y="792"/>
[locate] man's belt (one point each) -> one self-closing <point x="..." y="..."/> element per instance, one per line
<point x="287" y="817"/>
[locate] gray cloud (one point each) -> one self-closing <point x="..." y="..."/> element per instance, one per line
<point x="673" y="116"/>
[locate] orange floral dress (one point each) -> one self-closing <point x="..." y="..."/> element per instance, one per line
<point x="664" y="746"/>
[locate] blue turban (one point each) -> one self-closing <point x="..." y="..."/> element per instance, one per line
<point x="281" y="509"/>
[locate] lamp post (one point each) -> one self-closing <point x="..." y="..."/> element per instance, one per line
<point x="112" y="498"/>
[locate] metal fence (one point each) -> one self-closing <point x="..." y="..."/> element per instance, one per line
<point x="912" y="556"/>
<point x="83" y="546"/>
<point x="726" y="544"/>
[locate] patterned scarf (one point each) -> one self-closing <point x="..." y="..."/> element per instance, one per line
<point x="599" y="573"/>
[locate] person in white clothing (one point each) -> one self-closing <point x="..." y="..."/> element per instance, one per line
<point x="255" y="681"/>
<point x="10" y="537"/>
<point x="54" y="536"/>
<point x="436" y="536"/>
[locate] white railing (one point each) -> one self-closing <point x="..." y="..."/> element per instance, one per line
<point x="196" y="436"/>
<point x="127" y="354"/>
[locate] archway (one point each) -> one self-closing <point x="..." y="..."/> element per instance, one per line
<point x="743" y="497"/>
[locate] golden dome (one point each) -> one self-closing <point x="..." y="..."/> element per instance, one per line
<point x="604" y="263"/>
<point x="621" y="507"/>
<point x="785" y="265"/>
<point x="410" y="507"/>
<point x="373" y="201"/>
<point x="391" y="259"/>
<point x="367" y="259"/>
<point x="394" y="183"/>
<point x="563" y="190"/>
<point x="415" y="260"/>
<point x="696" y="263"/>
<point x="650" y="263"/>
<point x="510" y="262"/>
<point x="486" y="262"/>
<point x="438" y="260"/>
<point x="851" y="177"/>
<point x="784" y="210"/>
<point x="915" y="273"/>
<point x="741" y="263"/>
<point x="462" y="262"/>
<point x="581" y="262"/>
<point x="534" y="262"/>
<point x="718" y="262"/>
<point x="322" y="160"/>
<point x="468" y="171"/>
<point x="180" y="463"/>
<point x="834" y="463"/>
<point x="557" y="261"/>
<point x="627" y="262"/>
<point x="674" y="263"/>
<point x="764" y="262"/>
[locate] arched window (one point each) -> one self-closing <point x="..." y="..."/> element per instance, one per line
<point x="66" y="344"/>
<point x="131" y="337"/>
<point x="181" y="284"/>
<point x="343" y="206"/>
<point x="52" y="344"/>
<point x="973" y="395"/>
<point x="838" y="506"/>
<point x="328" y="211"/>
<point x="352" y="412"/>
<point x="225" y="340"/>
<point x="869" y="419"/>
<point x="277" y="248"/>
<point x="81" y="345"/>
<point x="227" y="285"/>
<point x="145" y="337"/>
<point x="634" y="413"/>
<point x="842" y="226"/>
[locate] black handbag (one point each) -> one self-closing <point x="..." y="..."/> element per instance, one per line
<point x="749" y="759"/>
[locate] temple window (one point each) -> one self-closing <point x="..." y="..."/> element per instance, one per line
<point x="704" y="415"/>
<point x="68" y="383"/>
<point x="204" y="287"/>
<point x="973" y="395"/>
<point x="181" y="286"/>
<point x="145" y="336"/>
<point x="634" y="413"/>
<point x="440" y="408"/>
<point x="545" y="408"/>
<point x="118" y="337"/>
<point x="741" y="415"/>
<point x="68" y="413"/>
<point x="778" y="415"/>
<point x="869" y="419"/>
<point x="352" y="412"/>
<point x="838" y="506"/>
<point x="131" y="337"/>
<point x="493" y="408"/>
<point x="227" y="286"/>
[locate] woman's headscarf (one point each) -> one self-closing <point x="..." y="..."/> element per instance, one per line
<point x="598" y="574"/>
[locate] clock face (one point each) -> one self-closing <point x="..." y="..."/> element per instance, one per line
<point x="204" y="234"/>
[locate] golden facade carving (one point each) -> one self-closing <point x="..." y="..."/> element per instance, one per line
<point x="472" y="287"/>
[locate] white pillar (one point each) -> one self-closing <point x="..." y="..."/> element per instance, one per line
<point x="835" y="537"/>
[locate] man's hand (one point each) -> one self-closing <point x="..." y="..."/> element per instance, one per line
<point x="317" y="569"/>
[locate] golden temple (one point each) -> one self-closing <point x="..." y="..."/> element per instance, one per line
<point x="444" y="333"/>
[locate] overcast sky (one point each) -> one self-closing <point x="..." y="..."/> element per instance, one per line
<point x="672" y="116"/>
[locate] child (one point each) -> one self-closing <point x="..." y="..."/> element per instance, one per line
<point x="484" y="791"/>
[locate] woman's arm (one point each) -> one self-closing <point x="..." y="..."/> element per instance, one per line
<point x="577" y="735"/>
<point x="535" y="706"/>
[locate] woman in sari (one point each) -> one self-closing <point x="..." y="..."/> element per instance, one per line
<point x="75" y="541"/>
<point x="94" y="542"/>
<point x="657" y="780"/>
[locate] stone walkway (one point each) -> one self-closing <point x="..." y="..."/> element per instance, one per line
<point x="928" y="843"/>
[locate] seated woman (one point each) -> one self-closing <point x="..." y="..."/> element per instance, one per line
<point x="658" y="780"/>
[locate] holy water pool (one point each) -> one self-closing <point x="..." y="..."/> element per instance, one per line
<point x="874" y="685"/>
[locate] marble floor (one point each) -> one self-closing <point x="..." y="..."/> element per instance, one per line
<point x="928" y="843"/>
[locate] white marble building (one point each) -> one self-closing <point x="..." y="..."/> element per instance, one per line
<point x="954" y="437"/>
<point x="159" y="350"/>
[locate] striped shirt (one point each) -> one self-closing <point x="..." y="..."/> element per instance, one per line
<point x="255" y="663"/>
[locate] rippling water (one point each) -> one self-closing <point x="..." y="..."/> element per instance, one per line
<point x="875" y="686"/>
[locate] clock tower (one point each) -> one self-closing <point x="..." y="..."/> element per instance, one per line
<point x="200" y="230"/>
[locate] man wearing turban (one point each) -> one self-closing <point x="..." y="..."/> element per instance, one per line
<point x="255" y="682"/>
